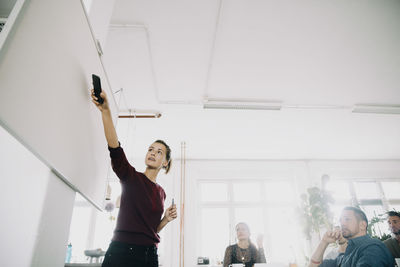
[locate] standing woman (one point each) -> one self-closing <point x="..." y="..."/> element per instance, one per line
<point x="244" y="251"/>
<point x="135" y="239"/>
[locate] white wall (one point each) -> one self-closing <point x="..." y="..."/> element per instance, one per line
<point x="100" y="12"/>
<point x="52" y="235"/>
<point x="36" y="208"/>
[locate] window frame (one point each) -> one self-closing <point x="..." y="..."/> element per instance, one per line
<point x="231" y="205"/>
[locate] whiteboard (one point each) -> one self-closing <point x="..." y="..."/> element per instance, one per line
<point x="46" y="64"/>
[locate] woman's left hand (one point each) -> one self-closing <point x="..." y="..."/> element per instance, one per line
<point x="170" y="213"/>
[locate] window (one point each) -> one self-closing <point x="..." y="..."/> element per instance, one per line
<point x="366" y="190"/>
<point x="106" y="220"/>
<point x="214" y="232"/>
<point x="253" y="216"/>
<point x="374" y="197"/>
<point x="79" y="229"/>
<point x="91" y="228"/>
<point x="285" y="231"/>
<point x="265" y="205"/>
<point x="340" y="192"/>
<point x="214" y="192"/>
<point x="246" y="192"/>
<point x="280" y="192"/>
<point x="391" y="190"/>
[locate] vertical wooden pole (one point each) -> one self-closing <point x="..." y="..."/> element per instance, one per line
<point x="182" y="210"/>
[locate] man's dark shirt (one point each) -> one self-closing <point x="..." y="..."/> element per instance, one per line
<point x="394" y="247"/>
<point x="362" y="251"/>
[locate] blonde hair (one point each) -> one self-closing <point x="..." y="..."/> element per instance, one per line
<point x="167" y="155"/>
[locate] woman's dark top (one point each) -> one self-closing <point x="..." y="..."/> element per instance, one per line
<point x="142" y="203"/>
<point x="248" y="256"/>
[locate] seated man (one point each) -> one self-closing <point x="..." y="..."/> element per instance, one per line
<point x="361" y="249"/>
<point x="393" y="244"/>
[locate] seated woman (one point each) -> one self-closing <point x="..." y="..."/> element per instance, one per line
<point x="244" y="251"/>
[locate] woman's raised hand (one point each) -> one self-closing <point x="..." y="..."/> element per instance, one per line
<point x="103" y="106"/>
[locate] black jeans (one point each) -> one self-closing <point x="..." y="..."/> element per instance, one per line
<point x="127" y="255"/>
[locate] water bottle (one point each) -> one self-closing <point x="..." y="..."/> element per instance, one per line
<point x="69" y="253"/>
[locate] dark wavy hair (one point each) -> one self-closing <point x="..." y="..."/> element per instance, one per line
<point x="360" y="215"/>
<point x="393" y="213"/>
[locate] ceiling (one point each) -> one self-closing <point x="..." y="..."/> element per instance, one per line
<point x="318" y="58"/>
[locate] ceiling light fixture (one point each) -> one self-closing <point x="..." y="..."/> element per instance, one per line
<point x="376" y="108"/>
<point x="244" y="104"/>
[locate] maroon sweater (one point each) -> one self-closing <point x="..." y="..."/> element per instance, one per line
<point x="142" y="203"/>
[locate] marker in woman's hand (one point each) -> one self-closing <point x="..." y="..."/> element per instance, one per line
<point x="172" y="202"/>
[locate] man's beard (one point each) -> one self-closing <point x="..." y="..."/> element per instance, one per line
<point x="397" y="233"/>
<point x="346" y="233"/>
<point x="348" y="236"/>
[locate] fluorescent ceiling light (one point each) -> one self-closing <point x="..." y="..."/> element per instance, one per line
<point x="241" y="104"/>
<point x="376" y="108"/>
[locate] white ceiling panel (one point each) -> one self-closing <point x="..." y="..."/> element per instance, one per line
<point x="180" y="34"/>
<point x="308" y="52"/>
<point x="130" y="70"/>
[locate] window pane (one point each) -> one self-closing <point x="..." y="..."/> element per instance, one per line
<point x="79" y="232"/>
<point x="340" y="190"/>
<point x="283" y="235"/>
<point x="395" y="207"/>
<point x="214" y="233"/>
<point x="372" y="211"/>
<point x="115" y="190"/>
<point x="105" y="225"/>
<point x="214" y="191"/>
<point x="391" y="190"/>
<point x="366" y="190"/>
<point x="280" y="191"/>
<point x="337" y="211"/>
<point x="253" y="218"/>
<point x="246" y="192"/>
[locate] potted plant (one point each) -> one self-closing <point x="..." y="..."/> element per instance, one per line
<point x="315" y="211"/>
<point x="374" y="230"/>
